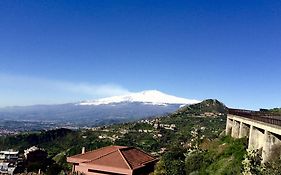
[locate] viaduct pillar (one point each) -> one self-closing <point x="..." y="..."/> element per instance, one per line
<point x="271" y="146"/>
<point x="229" y="124"/>
<point x="244" y="130"/>
<point x="235" y="129"/>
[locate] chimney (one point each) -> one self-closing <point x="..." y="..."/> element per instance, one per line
<point x="83" y="150"/>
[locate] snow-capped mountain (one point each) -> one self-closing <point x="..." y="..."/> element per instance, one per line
<point x="109" y="110"/>
<point x="152" y="97"/>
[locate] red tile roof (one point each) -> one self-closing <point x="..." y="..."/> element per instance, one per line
<point x="114" y="156"/>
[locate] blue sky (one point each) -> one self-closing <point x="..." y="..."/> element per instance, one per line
<point x="64" y="51"/>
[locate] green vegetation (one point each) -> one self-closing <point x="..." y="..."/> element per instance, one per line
<point x="58" y="143"/>
<point x="209" y="105"/>
<point x="220" y="156"/>
<point x="25" y="140"/>
<point x="274" y="111"/>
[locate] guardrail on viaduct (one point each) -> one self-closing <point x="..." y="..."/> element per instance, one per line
<point x="262" y="130"/>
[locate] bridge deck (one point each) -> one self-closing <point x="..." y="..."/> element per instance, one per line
<point x="257" y="115"/>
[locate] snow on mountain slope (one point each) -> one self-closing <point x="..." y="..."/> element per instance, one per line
<point x="153" y="97"/>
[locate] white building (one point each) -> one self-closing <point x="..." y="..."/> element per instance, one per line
<point x="9" y="155"/>
<point x="7" y="168"/>
<point x="8" y="161"/>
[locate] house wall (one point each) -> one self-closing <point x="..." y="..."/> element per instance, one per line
<point x="82" y="168"/>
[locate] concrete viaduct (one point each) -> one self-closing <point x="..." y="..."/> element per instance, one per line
<point x="263" y="131"/>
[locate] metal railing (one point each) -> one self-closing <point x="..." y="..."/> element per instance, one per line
<point x="257" y="115"/>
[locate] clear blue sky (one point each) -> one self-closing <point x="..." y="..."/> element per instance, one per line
<point x="64" y="51"/>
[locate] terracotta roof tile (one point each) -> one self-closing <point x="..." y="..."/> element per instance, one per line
<point x="113" y="159"/>
<point x="136" y="158"/>
<point x="115" y="156"/>
<point x="91" y="155"/>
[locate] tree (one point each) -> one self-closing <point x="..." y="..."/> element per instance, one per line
<point x="252" y="163"/>
<point x="171" y="163"/>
